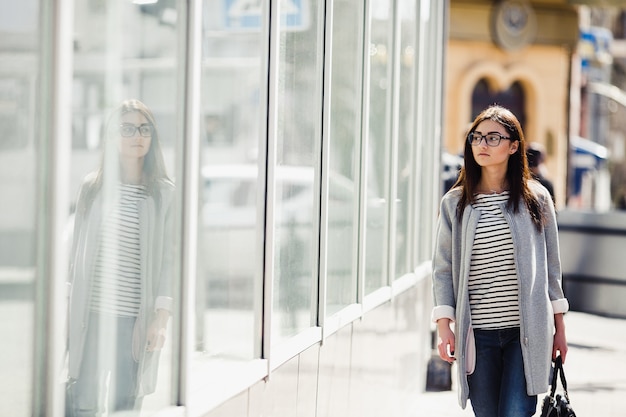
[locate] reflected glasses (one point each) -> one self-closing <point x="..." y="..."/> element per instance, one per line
<point x="491" y="139"/>
<point x="128" y="130"/>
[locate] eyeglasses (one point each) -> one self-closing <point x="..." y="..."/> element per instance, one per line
<point x="491" y="139"/>
<point x="128" y="130"/>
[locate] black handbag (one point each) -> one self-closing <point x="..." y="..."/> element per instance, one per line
<point x="557" y="405"/>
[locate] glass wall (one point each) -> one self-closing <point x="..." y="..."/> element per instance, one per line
<point x="378" y="143"/>
<point x="19" y="61"/>
<point x="308" y="166"/>
<point x="344" y="154"/>
<point x="232" y="185"/>
<point x="123" y="276"/>
<point x="297" y="161"/>
<point x="429" y="116"/>
<point x="404" y="153"/>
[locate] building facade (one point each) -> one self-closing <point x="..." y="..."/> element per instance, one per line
<point x="521" y="54"/>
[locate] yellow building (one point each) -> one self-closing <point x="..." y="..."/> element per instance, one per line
<point x="521" y="54"/>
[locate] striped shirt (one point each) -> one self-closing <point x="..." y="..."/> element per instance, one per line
<point x="493" y="283"/>
<point x="117" y="275"/>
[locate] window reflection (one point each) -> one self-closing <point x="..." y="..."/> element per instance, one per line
<point x="121" y="269"/>
<point x="228" y="247"/>
<point x="345" y="154"/>
<point x="19" y="61"/>
<point x="297" y="148"/>
<point x="378" y="145"/>
<point x="123" y="272"/>
<point x="406" y="133"/>
<point x="18" y="170"/>
<point x="228" y="288"/>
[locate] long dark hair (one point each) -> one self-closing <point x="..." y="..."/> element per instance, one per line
<point x="517" y="173"/>
<point x="153" y="165"/>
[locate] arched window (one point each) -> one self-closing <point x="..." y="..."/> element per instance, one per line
<point x="513" y="99"/>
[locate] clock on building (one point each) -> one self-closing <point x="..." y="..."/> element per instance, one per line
<point x="513" y="24"/>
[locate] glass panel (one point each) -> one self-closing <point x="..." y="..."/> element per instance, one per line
<point x="427" y="147"/>
<point x="380" y="50"/>
<point x="406" y="134"/>
<point x="231" y="230"/>
<point x="297" y="159"/>
<point x="123" y="276"/>
<point x="344" y="153"/>
<point x="19" y="53"/>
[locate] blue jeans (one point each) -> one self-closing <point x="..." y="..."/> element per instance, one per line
<point x="108" y="370"/>
<point x="498" y="385"/>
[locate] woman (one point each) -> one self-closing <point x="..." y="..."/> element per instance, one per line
<point x="497" y="274"/>
<point x="121" y="268"/>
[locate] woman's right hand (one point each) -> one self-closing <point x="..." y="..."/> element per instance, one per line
<point x="446" y="340"/>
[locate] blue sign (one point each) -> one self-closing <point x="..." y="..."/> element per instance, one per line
<point x="248" y="14"/>
<point x="594" y="44"/>
<point x="587" y="156"/>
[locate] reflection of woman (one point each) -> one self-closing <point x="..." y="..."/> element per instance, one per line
<point x="121" y="268"/>
<point x="497" y="274"/>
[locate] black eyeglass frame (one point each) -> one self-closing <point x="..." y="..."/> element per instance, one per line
<point x="492" y="139"/>
<point x="144" y="129"/>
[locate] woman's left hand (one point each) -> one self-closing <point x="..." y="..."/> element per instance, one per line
<point x="560" y="341"/>
<point x="155" y="337"/>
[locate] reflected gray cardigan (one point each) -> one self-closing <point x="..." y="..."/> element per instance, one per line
<point x="538" y="269"/>
<point x="155" y="238"/>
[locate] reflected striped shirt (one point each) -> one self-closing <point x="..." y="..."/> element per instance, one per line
<point x="493" y="283"/>
<point x="117" y="276"/>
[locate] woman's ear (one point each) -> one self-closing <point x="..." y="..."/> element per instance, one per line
<point x="514" y="147"/>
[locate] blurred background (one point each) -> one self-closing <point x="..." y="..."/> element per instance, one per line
<point x="560" y="67"/>
<point x="310" y="143"/>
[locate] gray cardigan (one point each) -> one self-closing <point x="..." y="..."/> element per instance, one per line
<point x="155" y="239"/>
<point x="538" y="268"/>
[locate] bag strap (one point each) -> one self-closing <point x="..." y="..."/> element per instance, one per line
<point x="558" y="368"/>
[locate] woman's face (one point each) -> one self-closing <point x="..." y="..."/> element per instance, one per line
<point x="486" y="155"/>
<point x="134" y="135"/>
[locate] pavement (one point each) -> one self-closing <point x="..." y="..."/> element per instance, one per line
<point x="595" y="369"/>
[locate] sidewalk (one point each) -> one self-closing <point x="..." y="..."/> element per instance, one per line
<point x="595" y="371"/>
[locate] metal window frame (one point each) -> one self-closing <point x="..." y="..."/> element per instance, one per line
<point x="353" y="310"/>
<point x="440" y="34"/>
<point x="421" y="129"/>
<point x="270" y="191"/>
<point x="279" y="353"/>
<point x="54" y="117"/>
<point x="430" y="63"/>
<point x="243" y="373"/>
<point x="383" y="293"/>
<point x="392" y="179"/>
<point x="364" y="153"/>
<point x="188" y="169"/>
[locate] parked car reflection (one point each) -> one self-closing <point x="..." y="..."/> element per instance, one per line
<point x="233" y="223"/>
